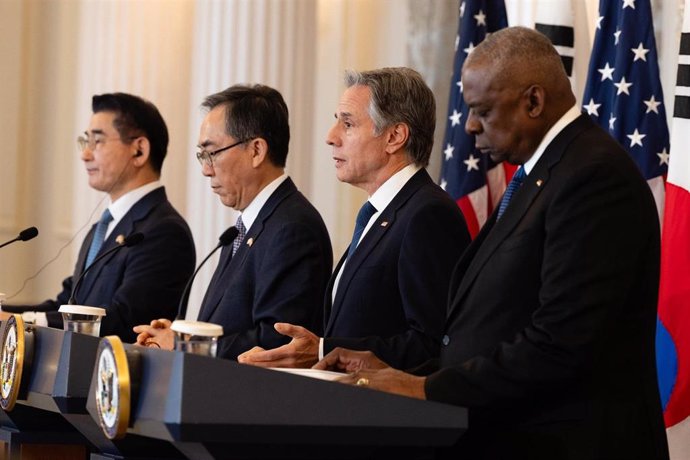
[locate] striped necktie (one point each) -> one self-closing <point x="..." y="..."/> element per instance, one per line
<point x="513" y="186"/>
<point x="98" y="236"/>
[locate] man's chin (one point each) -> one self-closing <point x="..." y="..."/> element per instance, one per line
<point x="496" y="157"/>
<point x="97" y="185"/>
<point x="229" y="202"/>
<point x="500" y="158"/>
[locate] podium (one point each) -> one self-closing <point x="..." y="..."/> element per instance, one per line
<point x="54" y="409"/>
<point x="215" y="408"/>
<point x="55" y="386"/>
<point x="201" y="408"/>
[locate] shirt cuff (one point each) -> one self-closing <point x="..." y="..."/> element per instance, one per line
<point x="35" y="317"/>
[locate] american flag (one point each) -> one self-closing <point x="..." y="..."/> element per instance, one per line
<point x="623" y="92"/>
<point x="673" y="329"/>
<point x="472" y="179"/>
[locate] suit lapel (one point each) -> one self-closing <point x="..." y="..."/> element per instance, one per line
<point x="328" y="301"/>
<point x="378" y="230"/>
<point x="81" y="259"/>
<point x="494" y="233"/>
<point x="216" y="291"/>
<point x="125" y="227"/>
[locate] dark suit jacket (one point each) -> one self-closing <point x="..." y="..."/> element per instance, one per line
<point x="137" y="284"/>
<point x="392" y="294"/>
<point x="550" y="334"/>
<point x="280" y="277"/>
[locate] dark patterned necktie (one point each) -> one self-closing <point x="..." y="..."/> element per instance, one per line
<point x="240" y="236"/>
<point x="514" y="184"/>
<point x="98" y="236"/>
<point x="366" y="211"/>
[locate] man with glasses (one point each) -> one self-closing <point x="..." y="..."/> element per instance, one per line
<point x="123" y="151"/>
<point x="388" y="291"/>
<point x="277" y="267"/>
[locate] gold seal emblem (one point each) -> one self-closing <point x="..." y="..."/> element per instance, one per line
<point x="113" y="391"/>
<point x="17" y="352"/>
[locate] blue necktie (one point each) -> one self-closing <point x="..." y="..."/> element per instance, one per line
<point x="240" y="236"/>
<point x="98" y="236"/>
<point x="514" y="184"/>
<point x="367" y="210"/>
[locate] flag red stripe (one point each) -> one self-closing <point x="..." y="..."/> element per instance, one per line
<point x="674" y="295"/>
<point x="470" y="216"/>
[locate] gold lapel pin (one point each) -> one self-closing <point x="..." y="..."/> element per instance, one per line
<point x="539" y="182"/>
<point x="384" y="223"/>
<point x="250" y="241"/>
<point x="120" y="239"/>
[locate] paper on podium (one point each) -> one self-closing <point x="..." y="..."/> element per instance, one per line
<point x="313" y="373"/>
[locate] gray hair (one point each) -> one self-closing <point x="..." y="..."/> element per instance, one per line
<point x="511" y="46"/>
<point x="400" y="95"/>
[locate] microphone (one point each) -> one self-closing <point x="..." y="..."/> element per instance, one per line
<point x="122" y="242"/>
<point x="225" y="239"/>
<point x="24" y="235"/>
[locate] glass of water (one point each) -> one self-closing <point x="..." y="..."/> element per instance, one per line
<point x="196" y="337"/>
<point x="82" y="319"/>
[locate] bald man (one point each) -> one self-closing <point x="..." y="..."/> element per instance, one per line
<point x="549" y="339"/>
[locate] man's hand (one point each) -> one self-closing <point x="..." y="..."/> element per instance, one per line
<point x="158" y="334"/>
<point x="302" y="351"/>
<point x="364" y="369"/>
<point x="344" y="360"/>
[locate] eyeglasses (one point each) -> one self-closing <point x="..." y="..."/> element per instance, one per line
<point x="207" y="157"/>
<point x="96" y="141"/>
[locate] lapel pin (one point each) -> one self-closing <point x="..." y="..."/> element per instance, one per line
<point x="539" y="182"/>
<point x="120" y="239"/>
<point x="250" y="241"/>
<point x="384" y="223"/>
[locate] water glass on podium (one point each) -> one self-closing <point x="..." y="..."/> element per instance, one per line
<point x="82" y="319"/>
<point x="196" y="337"/>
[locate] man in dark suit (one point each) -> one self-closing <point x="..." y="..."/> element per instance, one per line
<point x="388" y="291"/>
<point x="279" y="264"/>
<point x="550" y="334"/>
<point x="123" y="151"/>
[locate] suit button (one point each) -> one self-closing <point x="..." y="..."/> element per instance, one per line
<point x="446" y="340"/>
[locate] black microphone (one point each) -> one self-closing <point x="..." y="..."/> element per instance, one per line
<point x="24" y="235"/>
<point x="225" y="239"/>
<point x="122" y="242"/>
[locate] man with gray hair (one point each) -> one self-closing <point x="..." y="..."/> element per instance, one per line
<point x="388" y="292"/>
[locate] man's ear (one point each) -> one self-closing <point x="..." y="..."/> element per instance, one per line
<point x="535" y="95"/>
<point x="142" y="148"/>
<point x="397" y="136"/>
<point x="259" y="151"/>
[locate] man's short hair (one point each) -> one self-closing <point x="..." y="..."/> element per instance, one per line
<point x="255" y="111"/>
<point x="400" y="95"/>
<point x="136" y="117"/>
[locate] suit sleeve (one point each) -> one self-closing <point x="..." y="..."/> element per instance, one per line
<point x="155" y="273"/>
<point x="591" y="244"/>
<point x="290" y="279"/>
